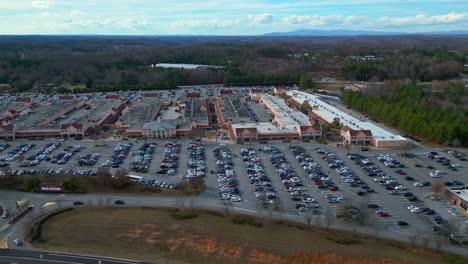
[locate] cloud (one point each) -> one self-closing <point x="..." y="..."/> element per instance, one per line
<point x="317" y="20"/>
<point x="210" y="23"/>
<point x="131" y="23"/>
<point x="43" y="4"/>
<point x="261" y="18"/>
<point x="424" y="19"/>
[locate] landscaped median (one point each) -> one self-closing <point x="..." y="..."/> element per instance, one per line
<point x="104" y="183"/>
<point x="161" y="235"/>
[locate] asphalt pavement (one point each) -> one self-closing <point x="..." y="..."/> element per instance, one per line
<point x="38" y="257"/>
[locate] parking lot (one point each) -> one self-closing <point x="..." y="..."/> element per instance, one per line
<point x="297" y="178"/>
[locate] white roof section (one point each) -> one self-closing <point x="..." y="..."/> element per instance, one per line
<point x="286" y="115"/>
<point x="461" y="193"/>
<point x="329" y="113"/>
<point x="267" y="128"/>
<point x="290" y="119"/>
<point x="186" y="66"/>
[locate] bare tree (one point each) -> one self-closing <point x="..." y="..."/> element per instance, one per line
<point x="438" y="188"/>
<point x="108" y="201"/>
<point x="191" y="202"/>
<point x="439" y="242"/>
<point x="261" y="204"/>
<point x="452" y="227"/>
<point x="278" y="207"/>
<point x="425" y="242"/>
<point x="103" y="176"/>
<point x="308" y="217"/>
<point x="317" y="222"/>
<point x="226" y="208"/>
<point x="121" y="178"/>
<point x="329" y="218"/>
<point x="353" y="213"/>
<point x="412" y="238"/>
<point x="179" y="203"/>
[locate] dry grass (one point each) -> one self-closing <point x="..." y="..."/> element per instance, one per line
<point x="152" y="235"/>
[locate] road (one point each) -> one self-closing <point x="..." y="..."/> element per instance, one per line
<point x="37" y="257"/>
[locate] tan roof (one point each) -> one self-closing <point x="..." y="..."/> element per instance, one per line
<point x="75" y="125"/>
<point x="354" y="133"/>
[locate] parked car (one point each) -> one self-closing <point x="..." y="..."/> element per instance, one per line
<point x="17" y="242"/>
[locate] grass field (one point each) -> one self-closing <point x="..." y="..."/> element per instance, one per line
<point x="155" y="235"/>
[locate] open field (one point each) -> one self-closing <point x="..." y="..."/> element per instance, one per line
<point x="157" y="235"/>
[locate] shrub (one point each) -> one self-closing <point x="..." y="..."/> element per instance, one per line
<point x="70" y="186"/>
<point x="451" y="259"/>
<point x="244" y="219"/>
<point x="343" y="240"/>
<point x="32" y="185"/>
<point x="192" y="187"/>
<point x="183" y="215"/>
<point x="215" y="213"/>
<point x="35" y="232"/>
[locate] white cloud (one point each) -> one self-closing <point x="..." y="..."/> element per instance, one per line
<point x="424" y="19"/>
<point x="354" y="19"/>
<point x="210" y="23"/>
<point x="43" y="4"/>
<point x="317" y="20"/>
<point x="261" y="18"/>
<point x="132" y="23"/>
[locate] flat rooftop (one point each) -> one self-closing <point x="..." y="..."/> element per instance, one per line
<point x="267" y="128"/>
<point x="170" y="114"/>
<point x="461" y="193"/>
<point x="195" y="109"/>
<point x="141" y="112"/>
<point x="260" y="112"/>
<point x="286" y="115"/>
<point x="329" y="113"/>
<point x="33" y="120"/>
<point x="84" y="114"/>
<point x="235" y="110"/>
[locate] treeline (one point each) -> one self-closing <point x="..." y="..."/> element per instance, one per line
<point x="416" y="65"/>
<point x="44" y="63"/>
<point x="262" y="79"/>
<point x="417" y="110"/>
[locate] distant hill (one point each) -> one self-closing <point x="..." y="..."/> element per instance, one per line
<point x="343" y="32"/>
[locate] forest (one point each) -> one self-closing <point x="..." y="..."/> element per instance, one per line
<point x="106" y="63"/>
<point x="437" y="115"/>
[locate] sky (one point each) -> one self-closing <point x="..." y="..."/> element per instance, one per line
<point x="227" y="17"/>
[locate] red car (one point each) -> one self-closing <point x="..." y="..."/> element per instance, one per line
<point x="383" y="214"/>
<point x="333" y="188"/>
<point x="390" y="188"/>
<point x="318" y="183"/>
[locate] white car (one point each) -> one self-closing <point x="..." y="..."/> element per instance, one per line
<point x="418" y="184"/>
<point x="17" y="242"/>
<point x="236" y="198"/>
<point x="413" y="209"/>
